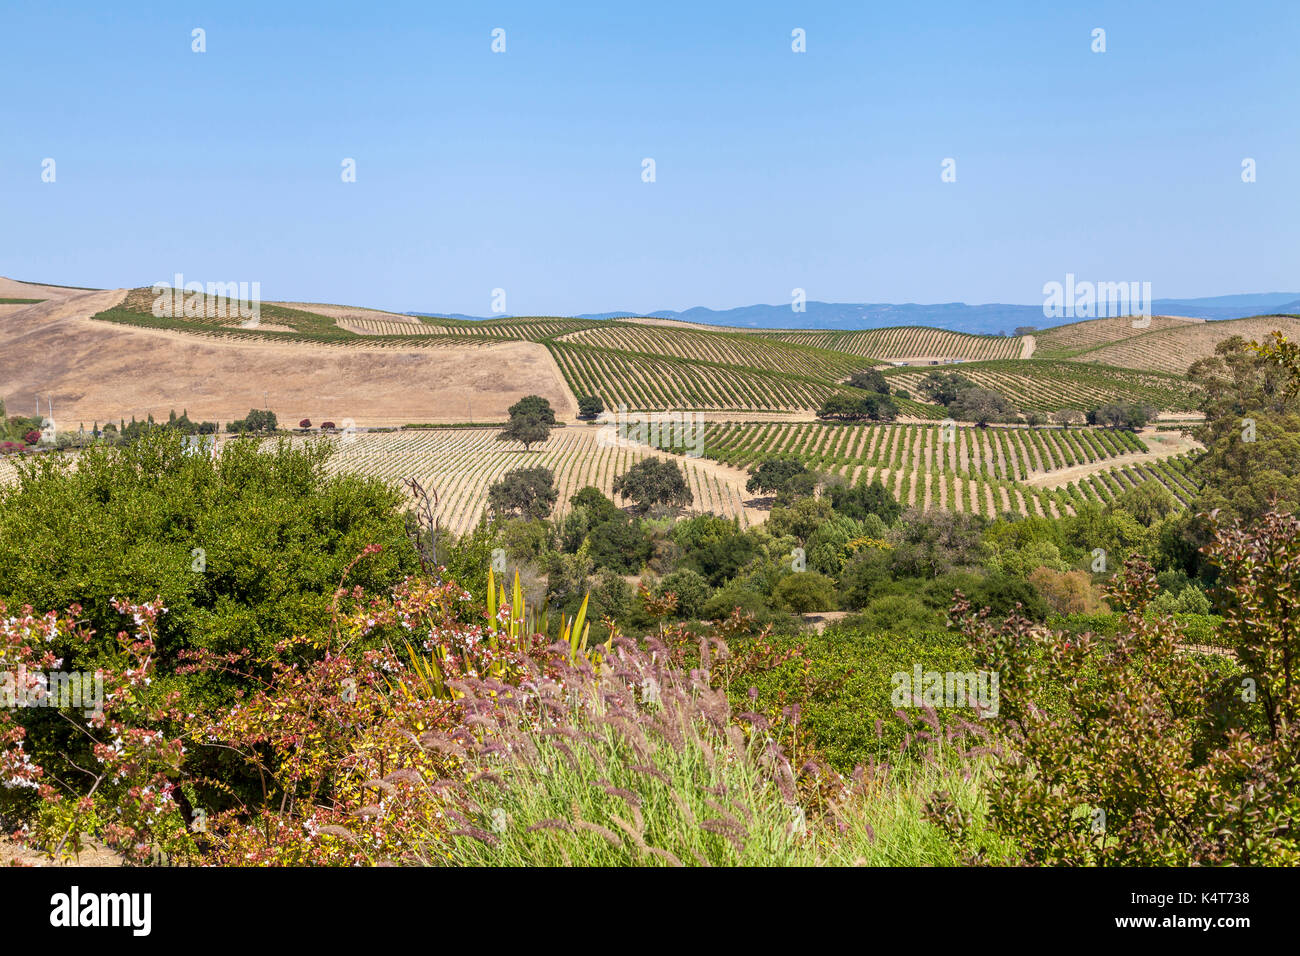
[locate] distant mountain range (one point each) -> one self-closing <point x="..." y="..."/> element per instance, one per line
<point x="991" y="319"/>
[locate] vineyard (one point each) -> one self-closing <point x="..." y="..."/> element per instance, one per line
<point x="535" y="329"/>
<point x="908" y="342"/>
<point x="389" y="327"/>
<point x="721" y="348"/>
<point x="929" y="466"/>
<point x="980" y="471"/>
<point x="1012" y="454"/>
<point x="1175" y="474"/>
<point x="1047" y="386"/>
<point x="958" y="468"/>
<point x="1173" y="350"/>
<point x="1068" y="341"/>
<point x="649" y="383"/>
<point x="650" y="365"/>
<point x="462" y="462"/>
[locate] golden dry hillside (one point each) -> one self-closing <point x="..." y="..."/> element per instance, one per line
<point x="95" y="369"/>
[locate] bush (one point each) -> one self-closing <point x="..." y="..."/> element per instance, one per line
<point x="1135" y="751"/>
<point x="839" y="685"/>
<point x="245" y="549"/>
<point x="692" y="592"/>
<point x="804" y="592"/>
<point x="897" y="614"/>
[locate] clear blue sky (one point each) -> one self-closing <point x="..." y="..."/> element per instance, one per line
<point x="522" y="170"/>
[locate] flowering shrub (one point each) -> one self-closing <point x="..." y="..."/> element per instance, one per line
<point x="131" y="781"/>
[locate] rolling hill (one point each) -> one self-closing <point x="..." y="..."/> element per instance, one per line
<point x="88" y="348"/>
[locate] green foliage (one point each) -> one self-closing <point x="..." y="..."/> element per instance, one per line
<point x="800" y="519"/>
<point x="1189" y="600"/>
<point x="619" y="544"/>
<point x="245" y="549"/>
<point x="654" y="483"/>
<point x="897" y="614"/>
<point x="804" y="592"/>
<point x="982" y="406"/>
<point x="871" y="380"/>
<point x="1131" y="415"/>
<point x="841" y="682"/>
<point x="944" y="387"/>
<point x="527" y="428"/>
<point x="590" y="406"/>
<point x="714" y="547"/>
<point x="775" y="474"/>
<point x="523" y="492"/>
<point x="858" y="501"/>
<point x="871" y="406"/>
<point x="931" y="543"/>
<point x="1132" y="750"/>
<point x="533" y="405"/>
<point x="257" y="420"/>
<point x="692" y="591"/>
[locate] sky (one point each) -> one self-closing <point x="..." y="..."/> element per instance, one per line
<point x="522" y="170"/>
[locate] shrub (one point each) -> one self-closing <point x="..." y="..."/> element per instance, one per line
<point x="804" y="592"/>
<point x="1133" y="751"/>
<point x="244" y="549"/>
<point x="1068" y="592"/>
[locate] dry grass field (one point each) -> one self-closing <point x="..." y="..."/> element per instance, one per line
<point x="101" y="371"/>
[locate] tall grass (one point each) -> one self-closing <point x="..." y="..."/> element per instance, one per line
<point x="632" y="762"/>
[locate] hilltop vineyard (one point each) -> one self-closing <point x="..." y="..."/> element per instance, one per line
<point x="1049" y="386"/>
<point x="669" y="384"/>
<point x="910" y="342"/>
<point x="717" y="348"/>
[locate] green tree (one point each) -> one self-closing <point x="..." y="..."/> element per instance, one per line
<point x="619" y="544"/>
<point x="524" y="493"/>
<point x="533" y="405"/>
<point x="1148" y="502"/>
<point x="654" y="483"/>
<point x="871" y="380"/>
<point x="800" y="519"/>
<point x="1131" y="751"/>
<point x="590" y="406"/>
<point x="1251" y="435"/>
<point x="804" y="592"/>
<point x="858" y="501"/>
<point x="527" y="428"/>
<point x="775" y="475"/>
<point x="942" y="387"/>
<point x="257" y="420"/>
<point x="982" y="406"/>
<point x="870" y="406"/>
<point x="245" y="548"/>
